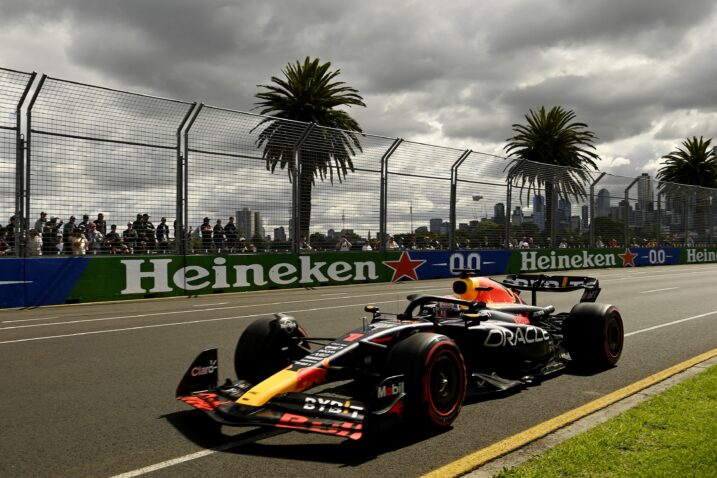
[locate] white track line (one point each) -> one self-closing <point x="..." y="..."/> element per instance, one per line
<point x="155" y="314"/>
<point x="189" y="322"/>
<point x="658" y="290"/>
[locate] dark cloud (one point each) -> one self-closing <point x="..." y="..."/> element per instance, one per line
<point x="459" y="73"/>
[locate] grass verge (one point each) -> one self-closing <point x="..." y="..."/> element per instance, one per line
<point x="672" y="434"/>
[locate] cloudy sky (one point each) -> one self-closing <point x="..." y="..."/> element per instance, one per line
<point x="641" y="73"/>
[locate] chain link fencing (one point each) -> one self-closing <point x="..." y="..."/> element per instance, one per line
<point x="14" y="87"/>
<point x="199" y="179"/>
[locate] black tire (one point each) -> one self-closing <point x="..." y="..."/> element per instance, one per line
<point x="435" y="378"/>
<point x="264" y="348"/>
<point x="594" y="336"/>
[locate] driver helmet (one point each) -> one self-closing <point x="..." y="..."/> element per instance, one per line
<point x="447" y="310"/>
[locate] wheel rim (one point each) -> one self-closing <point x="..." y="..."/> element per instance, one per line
<point x="445" y="384"/>
<point x="613" y="337"/>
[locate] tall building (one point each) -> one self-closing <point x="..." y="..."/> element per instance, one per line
<point x="499" y="211"/>
<point x="645" y="194"/>
<point x="517" y="219"/>
<point x="435" y="225"/>
<point x="245" y="222"/>
<point x="258" y="225"/>
<point x="279" y="234"/>
<point x="564" y="213"/>
<point x="250" y="223"/>
<point x="602" y="208"/>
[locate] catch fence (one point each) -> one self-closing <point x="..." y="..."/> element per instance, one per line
<point x="197" y="179"/>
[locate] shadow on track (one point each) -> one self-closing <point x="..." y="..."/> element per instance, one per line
<point x="206" y="433"/>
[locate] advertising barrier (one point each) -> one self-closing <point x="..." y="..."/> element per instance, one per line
<point x="45" y="281"/>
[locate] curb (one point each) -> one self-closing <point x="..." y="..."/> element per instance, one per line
<point x="523" y="446"/>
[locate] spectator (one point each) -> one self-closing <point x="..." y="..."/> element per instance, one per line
<point x="34" y="243"/>
<point x="113" y="241"/>
<point x="78" y="243"/>
<point x="94" y="239"/>
<point x="84" y="226"/>
<point x="10" y="234"/>
<point x="3" y="242"/>
<point x="150" y="238"/>
<point x="523" y="244"/>
<point x="304" y="244"/>
<point x="563" y="244"/>
<point x="218" y="235"/>
<point x="67" y="231"/>
<point x="205" y="230"/>
<point x="101" y="224"/>
<point x="343" y="244"/>
<point x="242" y="245"/>
<point x="391" y="244"/>
<point x="49" y="240"/>
<point x="366" y="246"/>
<point x="231" y="233"/>
<point x="598" y="243"/>
<point x="129" y="237"/>
<point x="163" y="235"/>
<point x="40" y="223"/>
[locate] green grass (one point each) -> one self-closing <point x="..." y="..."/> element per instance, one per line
<point x="671" y="435"/>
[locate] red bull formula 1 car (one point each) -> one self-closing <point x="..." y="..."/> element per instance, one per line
<point x="418" y="365"/>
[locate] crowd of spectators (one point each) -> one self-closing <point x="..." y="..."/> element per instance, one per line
<point x="53" y="236"/>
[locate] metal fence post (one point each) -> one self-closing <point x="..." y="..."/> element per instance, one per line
<point x="182" y="166"/>
<point x="506" y="226"/>
<point x="659" y="217"/>
<point x="627" y="211"/>
<point x="454" y="193"/>
<point x="28" y="156"/>
<point x="21" y="219"/>
<point x="591" y="240"/>
<point x="554" y="217"/>
<point x="383" y="206"/>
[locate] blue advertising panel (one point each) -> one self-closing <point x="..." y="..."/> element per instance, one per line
<point x="440" y="264"/>
<point x="660" y="256"/>
<point x="29" y="283"/>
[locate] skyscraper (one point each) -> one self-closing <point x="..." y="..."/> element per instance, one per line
<point x="645" y="195"/>
<point x="245" y="223"/>
<point x="602" y="208"/>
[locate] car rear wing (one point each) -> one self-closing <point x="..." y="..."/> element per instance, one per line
<point x="542" y="283"/>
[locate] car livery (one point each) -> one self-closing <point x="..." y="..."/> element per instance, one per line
<point x="418" y="365"/>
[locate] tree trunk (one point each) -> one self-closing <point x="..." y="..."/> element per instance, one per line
<point x="305" y="186"/>
<point x="549" y="213"/>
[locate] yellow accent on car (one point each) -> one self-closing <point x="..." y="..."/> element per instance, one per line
<point x="282" y="381"/>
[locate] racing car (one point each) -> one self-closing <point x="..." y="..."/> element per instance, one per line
<point x="417" y="366"/>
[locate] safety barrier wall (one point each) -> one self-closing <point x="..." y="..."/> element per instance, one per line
<point x="35" y="282"/>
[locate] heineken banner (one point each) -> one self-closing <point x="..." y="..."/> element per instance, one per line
<point x="45" y="281"/>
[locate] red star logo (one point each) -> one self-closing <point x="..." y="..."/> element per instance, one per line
<point x="404" y="267"/>
<point x="628" y="258"/>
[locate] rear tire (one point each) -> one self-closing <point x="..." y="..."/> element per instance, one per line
<point x="435" y="378"/>
<point x="594" y="336"/>
<point x="264" y="348"/>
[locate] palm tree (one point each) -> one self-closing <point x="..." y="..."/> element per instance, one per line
<point x="309" y="93"/>
<point x="562" y="146"/>
<point x="695" y="164"/>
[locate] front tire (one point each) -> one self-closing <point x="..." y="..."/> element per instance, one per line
<point x="434" y="378"/>
<point x="594" y="335"/>
<point x="265" y="347"/>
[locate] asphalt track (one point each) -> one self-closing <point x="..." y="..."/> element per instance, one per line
<point x="87" y="390"/>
